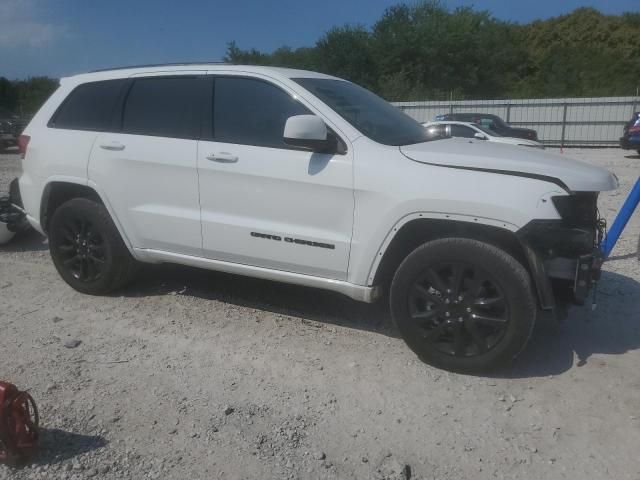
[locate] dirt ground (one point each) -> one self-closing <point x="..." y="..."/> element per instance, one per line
<point x="195" y="374"/>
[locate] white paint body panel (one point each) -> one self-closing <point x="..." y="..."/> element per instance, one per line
<point x="284" y="193"/>
<point x="152" y="185"/>
<point x="173" y="204"/>
<point x="471" y="153"/>
<point x="389" y="188"/>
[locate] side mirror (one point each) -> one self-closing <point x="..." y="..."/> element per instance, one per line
<point x="479" y="136"/>
<point x="309" y="131"/>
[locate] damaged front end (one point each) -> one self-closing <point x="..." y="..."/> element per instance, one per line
<point x="12" y="216"/>
<point x="565" y="255"/>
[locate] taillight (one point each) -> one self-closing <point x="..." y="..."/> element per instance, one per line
<point x="23" y="142"/>
<point x="634" y="129"/>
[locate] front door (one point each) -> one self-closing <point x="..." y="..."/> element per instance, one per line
<point x="263" y="202"/>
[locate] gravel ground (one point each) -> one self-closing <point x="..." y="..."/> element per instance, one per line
<point x="195" y="374"/>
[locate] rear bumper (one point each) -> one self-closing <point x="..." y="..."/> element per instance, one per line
<point x="12" y="214"/>
<point x="630" y="143"/>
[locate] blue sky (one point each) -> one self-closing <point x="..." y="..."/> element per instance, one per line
<point x="62" y="37"/>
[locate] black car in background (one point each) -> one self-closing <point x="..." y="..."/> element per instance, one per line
<point x="11" y="127"/>
<point x="630" y="139"/>
<point x="492" y="122"/>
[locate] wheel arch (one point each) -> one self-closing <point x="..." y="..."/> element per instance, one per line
<point x="58" y="191"/>
<point x="412" y="232"/>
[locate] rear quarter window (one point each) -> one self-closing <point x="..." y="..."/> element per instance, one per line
<point x="89" y="106"/>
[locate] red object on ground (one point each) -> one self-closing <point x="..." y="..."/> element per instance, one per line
<point x="18" y="424"/>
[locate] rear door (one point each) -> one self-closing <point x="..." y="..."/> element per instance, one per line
<point x="265" y="203"/>
<point x="147" y="168"/>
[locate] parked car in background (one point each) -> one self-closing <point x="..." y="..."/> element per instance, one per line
<point x="473" y="130"/>
<point x="493" y="123"/>
<point x="10" y="129"/>
<point x="630" y="139"/>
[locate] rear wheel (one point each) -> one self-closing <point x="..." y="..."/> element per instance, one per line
<point x="87" y="249"/>
<point x="463" y="305"/>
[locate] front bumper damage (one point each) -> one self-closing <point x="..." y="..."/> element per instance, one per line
<point x="565" y="261"/>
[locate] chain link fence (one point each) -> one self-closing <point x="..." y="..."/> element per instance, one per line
<point x="562" y="122"/>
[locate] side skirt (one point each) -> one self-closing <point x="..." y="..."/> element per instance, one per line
<point x="356" y="292"/>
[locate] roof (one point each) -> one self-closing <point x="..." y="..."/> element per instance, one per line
<point x="470" y="114"/>
<point x="124" y="72"/>
<point x="449" y="122"/>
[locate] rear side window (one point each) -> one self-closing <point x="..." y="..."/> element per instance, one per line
<point x="165" y="107"/>
<point x="462" y="131"/>
<point x="89" y="106"/>
<point x="252" y="112"/>
<point x="488" y="123"/>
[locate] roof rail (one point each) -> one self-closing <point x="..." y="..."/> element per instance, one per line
<point x="159" y="65"/>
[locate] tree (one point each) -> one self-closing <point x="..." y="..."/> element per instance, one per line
<point x="8" y="95"/>
<point x="347" y="52"/>
<point x="424" y="50"/>
<point x="25" y="97"/>
<point x="33" y="92"/>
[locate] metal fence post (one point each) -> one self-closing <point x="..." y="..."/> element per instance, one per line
<point x="508" y="112"/>
<point x="564" y="126"/>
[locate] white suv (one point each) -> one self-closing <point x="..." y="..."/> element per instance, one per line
<point x="304" y="178"/>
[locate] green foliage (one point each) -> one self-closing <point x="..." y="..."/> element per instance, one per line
<point x="24" y="97"/>
<point x="584" y="53"/>
<point x="423" y="51"/>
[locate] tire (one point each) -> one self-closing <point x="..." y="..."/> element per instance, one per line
<point x="87" y="249"/>
<point x="463" y="305"/>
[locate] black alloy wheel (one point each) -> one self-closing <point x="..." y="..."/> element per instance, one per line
<point x="460" y="308"/>
<point x="87" y="248"/>
<point x="463" y="304"/>
<point x="82" y="249"/>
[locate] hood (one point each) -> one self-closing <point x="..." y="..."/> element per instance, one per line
<point x="505" y="159"/>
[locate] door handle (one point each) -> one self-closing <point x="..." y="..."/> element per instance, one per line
<point x="223" y="157"/>
<point x="114" y="146"/>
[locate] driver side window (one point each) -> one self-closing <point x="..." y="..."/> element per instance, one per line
<point x="252" y="112"/>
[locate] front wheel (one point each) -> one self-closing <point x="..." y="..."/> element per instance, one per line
<point x="87" y="249"/>
<point x="463" y="305"/>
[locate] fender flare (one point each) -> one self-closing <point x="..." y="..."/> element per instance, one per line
<point x="98" y="191"/>
<point x="471" y="219"/>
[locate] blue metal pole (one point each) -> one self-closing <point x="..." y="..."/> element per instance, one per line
<point x="621" y="220"/>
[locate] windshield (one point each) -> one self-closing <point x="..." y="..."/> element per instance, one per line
<point x="491" y="133"/>
<point x="368" y="113"/>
